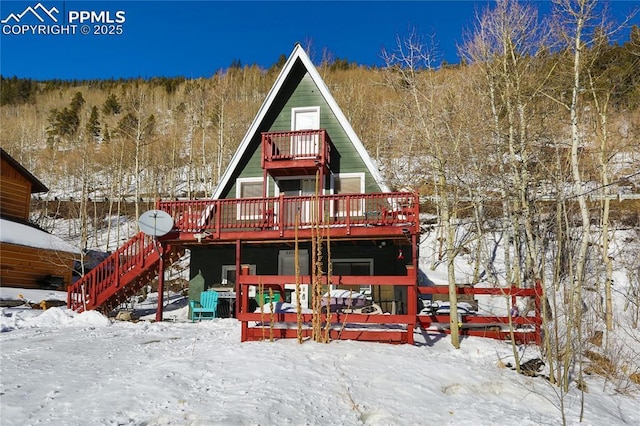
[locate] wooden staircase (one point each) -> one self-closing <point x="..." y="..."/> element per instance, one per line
<point x="119" y="276"/>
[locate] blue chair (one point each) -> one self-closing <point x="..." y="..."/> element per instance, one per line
<point x="206" y="307"/>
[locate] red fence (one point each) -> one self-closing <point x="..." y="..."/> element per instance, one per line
<point x="380" y="328"/>
<point x="392" y="328"/>
<point x="525" y="328"/>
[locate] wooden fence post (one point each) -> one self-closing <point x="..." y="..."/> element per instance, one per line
<point x="538" y="311"/>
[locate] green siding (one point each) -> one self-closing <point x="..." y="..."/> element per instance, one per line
<point x="300" y="91"/>
<point x="344" y="157"/>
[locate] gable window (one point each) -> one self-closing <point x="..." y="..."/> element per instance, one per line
<point x="249" y="188"/>
<point x="349" y="183"/>
<point x="305" y="118"/>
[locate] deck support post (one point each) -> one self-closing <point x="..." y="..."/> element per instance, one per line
<point x="161" y="248"/>
<point x="241" y="296"/>
<point x="412" y="290"/>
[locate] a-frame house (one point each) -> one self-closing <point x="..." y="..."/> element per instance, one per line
<point x="299" y="172"/>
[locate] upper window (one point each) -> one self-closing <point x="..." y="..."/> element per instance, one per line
<point x="249" y="188"/>
<point x="350" y="183"/>
<point x="305" y="145"/>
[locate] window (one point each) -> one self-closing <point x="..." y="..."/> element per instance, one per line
<point x="249" y="188"/>
<point x="229" y="273"/>
<point x="350" y="183"/>
<point x="353" y="267"/>
<point x="306" y="118"/>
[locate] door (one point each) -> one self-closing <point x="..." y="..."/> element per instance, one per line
<point x="296" y="188"/>
<point x="305" y="119"/>
<point x="286" y="266"/>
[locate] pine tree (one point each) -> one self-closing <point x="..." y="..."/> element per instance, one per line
<point x="93" y="125"/>
<point x="111" y="106"/>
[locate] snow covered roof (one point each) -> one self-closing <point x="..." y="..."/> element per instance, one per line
<point x="24" y="235"/>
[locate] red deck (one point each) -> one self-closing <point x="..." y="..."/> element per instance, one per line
<point x="294" y="153"/>
<point x="348" y="216"/>
<point x="345" y="215"/>
<point x="385" y="328"/>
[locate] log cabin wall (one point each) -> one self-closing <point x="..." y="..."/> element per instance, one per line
<point x="16" y="192"/>
<point x="20" y="265"/>
<point x="26" y="267"/>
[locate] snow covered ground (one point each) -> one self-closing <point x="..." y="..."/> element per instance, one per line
<point x="62" y="368"/>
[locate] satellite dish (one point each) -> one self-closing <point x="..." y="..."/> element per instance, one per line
<point x="155" y="223"/>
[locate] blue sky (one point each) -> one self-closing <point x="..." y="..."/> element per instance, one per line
<point x="197" y="38"/>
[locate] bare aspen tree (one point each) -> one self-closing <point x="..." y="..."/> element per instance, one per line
<point x="137" y="127"/>
<point x="411" y="70"/>
<point x="576" y="22"/>
<point x="221" y="95"/>
<point x="602" y="131"/>
<point x="503" y="46"/>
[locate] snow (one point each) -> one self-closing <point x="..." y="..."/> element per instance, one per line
<point x="59" y="367"/>
<point x="23" y="235"/>
<point x="32" y="295"/>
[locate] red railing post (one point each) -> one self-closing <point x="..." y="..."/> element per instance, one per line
<point x="263" y="151"/>
<point x="281" y="211"/>
<point x="160" y="308"/>
<point x="538" y="311"/>
<point x="244" y="303"/>
<point x="116" y="267"/>
<point x="94" y="295"/>
<point x="348" y="214"/>
<point x="412" y="301"/>
<point x="218" y="220"/>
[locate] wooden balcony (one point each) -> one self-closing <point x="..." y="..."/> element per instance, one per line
<point x="345" y="215"/>
<point x="301" y="152"/>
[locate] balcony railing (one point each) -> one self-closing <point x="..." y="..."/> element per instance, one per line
<point x="295" y="149"/>
<point x="343" y="210"/>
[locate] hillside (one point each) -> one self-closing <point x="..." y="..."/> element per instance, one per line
<point x="172" y="137"/>
<point x="526" y="156"/>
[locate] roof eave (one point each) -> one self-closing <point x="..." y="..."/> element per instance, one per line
<point x="36" y="185"/>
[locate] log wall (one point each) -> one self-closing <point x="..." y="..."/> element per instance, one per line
<point x="16" y="192"/>
<point x="25" y="267"/>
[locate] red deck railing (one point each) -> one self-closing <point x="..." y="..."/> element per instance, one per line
<point x="117" y="271"/>
<point x="527" y="329"/>
<point x="295" y="145"/>
<point x="381" y="328"/>
<point x="396" y="328"/>
<point x="281" y="213"/>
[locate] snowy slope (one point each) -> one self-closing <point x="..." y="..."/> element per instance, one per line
<point x="63" y="368"/>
